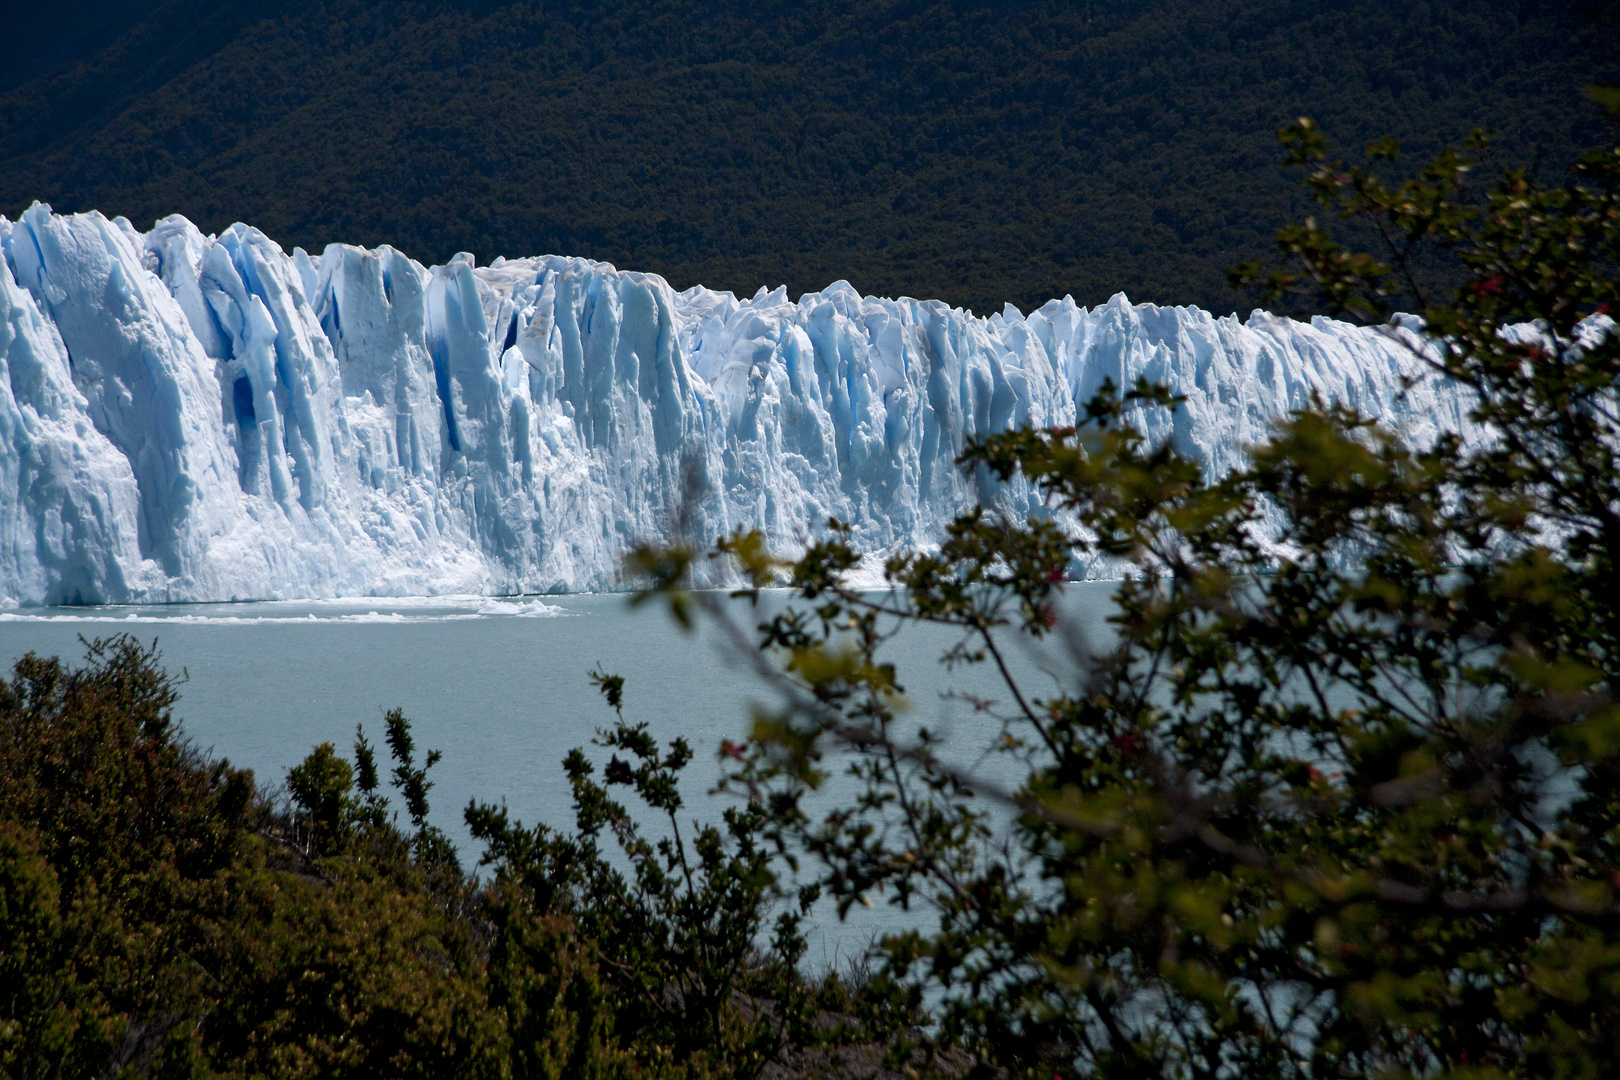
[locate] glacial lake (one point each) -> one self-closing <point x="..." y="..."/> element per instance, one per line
<point x="501" y="686"/>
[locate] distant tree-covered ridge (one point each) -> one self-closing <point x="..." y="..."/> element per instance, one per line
<point x="975" y="152"/>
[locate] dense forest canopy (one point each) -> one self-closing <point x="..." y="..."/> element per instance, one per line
<point x="977" y="152"/>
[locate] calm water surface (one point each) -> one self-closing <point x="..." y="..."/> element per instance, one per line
<point x="501" y="687"/>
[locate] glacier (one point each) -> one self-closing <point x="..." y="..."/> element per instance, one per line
<point x="208" y="418"/>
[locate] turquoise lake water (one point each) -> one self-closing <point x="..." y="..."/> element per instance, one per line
<point x="500" y="686"/>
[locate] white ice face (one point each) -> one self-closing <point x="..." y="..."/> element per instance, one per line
<point x="191" y="418"/>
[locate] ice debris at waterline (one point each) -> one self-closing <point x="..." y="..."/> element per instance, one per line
<point x="193" y="418"/>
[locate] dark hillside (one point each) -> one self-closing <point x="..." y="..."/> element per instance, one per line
<point x="976" y="152"/>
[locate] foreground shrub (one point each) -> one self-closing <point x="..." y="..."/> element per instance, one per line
<point x="157" y="919"/>
<point x="1342" y="796"/>
<point x="160" y="915"/>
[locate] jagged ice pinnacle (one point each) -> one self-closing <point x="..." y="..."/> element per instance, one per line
<point x="194" y="418"/>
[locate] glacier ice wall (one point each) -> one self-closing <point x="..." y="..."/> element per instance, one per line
<point x="189" y="418"/>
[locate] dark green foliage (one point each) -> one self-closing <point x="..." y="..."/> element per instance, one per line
<point x="431" y="845"/>
<point x="676" y="948"/>
<point x="159" y="916"/>
<point x="321" y="787"/>
<point x="119" y="844"/>
<point x="977" y="152"/>
<point x="373" y="805"/>
<point x="1337" y="801"/>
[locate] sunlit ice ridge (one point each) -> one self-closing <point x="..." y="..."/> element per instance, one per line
<point x="205" y="418"/>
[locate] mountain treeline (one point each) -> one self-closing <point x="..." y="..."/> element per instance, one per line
<point x="976" y="152"/>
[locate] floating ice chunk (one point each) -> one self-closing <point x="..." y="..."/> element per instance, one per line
<point x="532" y="609"/>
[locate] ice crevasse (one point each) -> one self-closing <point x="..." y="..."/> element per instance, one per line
<point x="194" y="418"/>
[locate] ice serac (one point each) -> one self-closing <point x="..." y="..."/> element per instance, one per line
<point x="187" y="417"/>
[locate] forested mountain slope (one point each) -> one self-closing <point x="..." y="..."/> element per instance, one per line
<point x="976" y="152"/>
